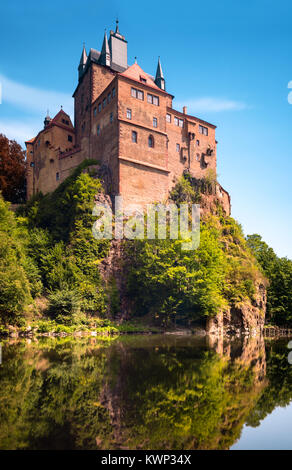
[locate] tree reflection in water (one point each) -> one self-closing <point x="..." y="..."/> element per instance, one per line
<point x="146" y="392"/>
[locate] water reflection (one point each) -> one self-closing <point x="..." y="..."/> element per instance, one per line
<point x="147" y="392"/>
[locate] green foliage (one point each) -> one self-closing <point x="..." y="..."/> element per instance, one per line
<point x="114" y="296"/>
<point x="64" y="306"/>
<point x="61" y="241"/>
<point x="279" y="273"/>
<point x="19" y="278"/>
<point x="173" y="284"/>
<point x="183" y="191"/>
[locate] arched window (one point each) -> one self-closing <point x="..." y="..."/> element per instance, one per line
<point x="150" y="141"/>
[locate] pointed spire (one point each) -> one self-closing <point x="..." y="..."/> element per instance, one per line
<point x="83" y="60"/>
<point x="159" y="78"/>
<point x="117" y="26"/>
<point x="105" y="58"/>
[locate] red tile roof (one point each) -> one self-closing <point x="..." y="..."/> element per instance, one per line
<point x="134" y="72"/>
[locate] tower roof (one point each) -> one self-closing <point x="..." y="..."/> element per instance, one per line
<point x="105" y="47"/>
<point x="83" y="57"/>
<point x="159" y="73"/>
<point x="134" y="72"/>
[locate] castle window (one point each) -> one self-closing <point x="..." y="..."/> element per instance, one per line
<point x="57" y="176"/>
<point x="150" y="141"/>
<point x="70" y="138"/>
<point x="168" y="118"/>
<point x="111" y="117"/>
<point x="179" y="122"/>
<point x="104" y="103"/>
<point x="137" y="94"/>
<point x="177" y="147"/>
<point x="142" y="79"/>
<point x="152" y="99"/>
<point x="198" y="142"/>
<point x="134" y="137"/>
<point x="203" y="130"/>
<point x="99" y="107"/>
<point x="95" y="111"/>
<point x="113" y="92"/>
<point x="108" y="98"/>
<point x="129" y="113"/>
<point x="154" y="122"/>
<point x="198" y="157"/>
<point x="98" y="129"/>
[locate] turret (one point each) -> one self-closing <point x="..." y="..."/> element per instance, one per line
<point x="159" y="78"/>
<point x="47" y="120"/>
<point x="105" y="57"/>
<point x="82" y="62"/>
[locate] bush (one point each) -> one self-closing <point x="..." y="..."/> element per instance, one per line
<point x="64" y="306"/>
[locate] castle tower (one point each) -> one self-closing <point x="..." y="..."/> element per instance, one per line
<point x="82" y="63"/>
<point x="118" y="50"/>
<point x="159" y="78"/>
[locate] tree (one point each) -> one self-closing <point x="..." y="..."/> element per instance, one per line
<point x="279" y="274"/>
<point x="12" y="170"/>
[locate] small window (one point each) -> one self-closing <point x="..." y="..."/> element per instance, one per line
<point x="140" y="95"/>
<point x="104" y="103"/>
<point x="176" y="121"/>
<point x="198" y="143"/>
<point x="143" y="80"/>
<point x="154" y="122"/>
<point x="134" y="137"/>
<point x="152" y="99"/>
<point x="57" y="176"/>
<point x="113" y="92"/>
<point x="203" y="130"/>
<point x="168" y="118"/>
<point x="137" y="94"/>
<point x="98" y="129"/>
<point x="109" y="97"/>
<point x="95" y="112"/>
<point x="99" y="107"/>
<point x="129" y="113"/>
<point x="70" y="138"/>
<point x="198" y="157"/>
<point x="181" y="123"/>
<point x="150" y="141"/>
<point x="111" y="117"/>
<point x="177" y="147"/>
<point x="156" y="100"/>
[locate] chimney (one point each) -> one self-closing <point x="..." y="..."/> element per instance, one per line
<point x="185" y="110"/>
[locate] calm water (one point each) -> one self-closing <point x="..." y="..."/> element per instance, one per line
<point x="147" y="392"/>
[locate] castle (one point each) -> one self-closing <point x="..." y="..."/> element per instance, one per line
<point x="123" y="117"/>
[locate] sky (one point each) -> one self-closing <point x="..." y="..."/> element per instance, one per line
<point x="229" y="62"/>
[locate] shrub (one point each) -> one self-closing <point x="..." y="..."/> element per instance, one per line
<point x="64" y="306"/>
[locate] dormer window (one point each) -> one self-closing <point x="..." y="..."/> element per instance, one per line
<point x="143" y="79"/>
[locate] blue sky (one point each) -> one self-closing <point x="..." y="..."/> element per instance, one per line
<point x="229" y="62"/>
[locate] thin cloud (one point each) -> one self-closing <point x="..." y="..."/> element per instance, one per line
<point x="34" y="99"/>
<point x="213" y="105"/>
<point x="18" y="130"/>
